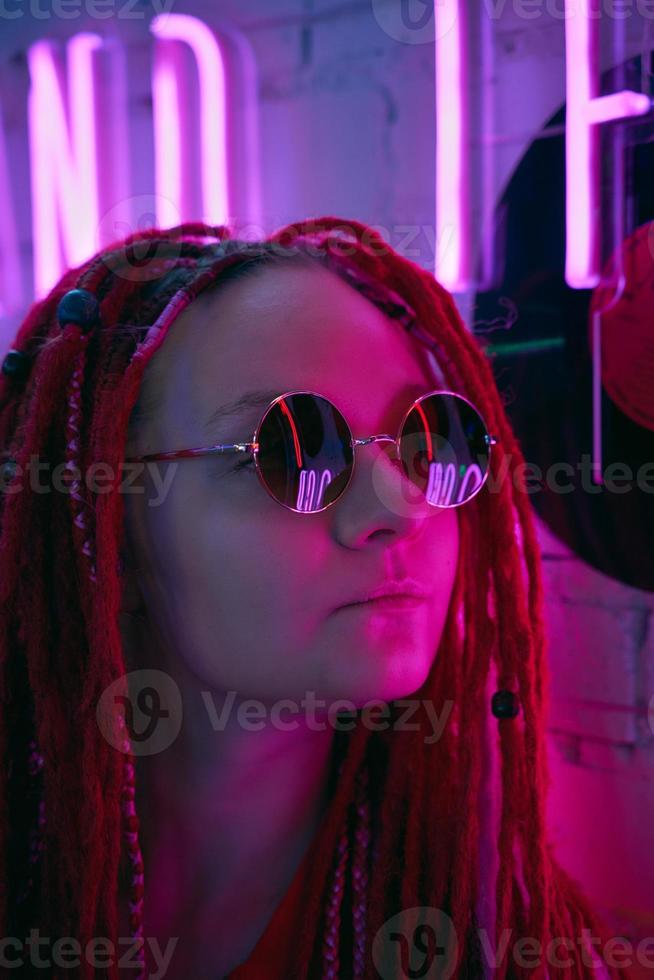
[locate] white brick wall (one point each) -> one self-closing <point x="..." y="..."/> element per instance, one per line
<point x="601" y="745"/>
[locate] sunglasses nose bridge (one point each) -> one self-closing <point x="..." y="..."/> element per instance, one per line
<point x="381" y="438"/>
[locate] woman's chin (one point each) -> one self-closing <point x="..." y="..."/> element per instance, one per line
<point x="386" y="678"/>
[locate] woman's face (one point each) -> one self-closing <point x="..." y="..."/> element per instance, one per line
<point x="247" y="592"/>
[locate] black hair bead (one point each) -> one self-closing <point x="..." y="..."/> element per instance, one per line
<point x="79" y="306"/>
<point x="7" y="471"/>
<point x="16" y="365"/>
<point x="505" y="704"/>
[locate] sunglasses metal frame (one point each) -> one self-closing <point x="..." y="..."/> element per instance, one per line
<point x="253" y="446"/>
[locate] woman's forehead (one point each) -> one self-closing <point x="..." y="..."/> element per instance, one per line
<point x="306" y="317"/>
<point x="289" y="327"/>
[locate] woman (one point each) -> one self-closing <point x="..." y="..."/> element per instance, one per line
<point x="307" y="782"/>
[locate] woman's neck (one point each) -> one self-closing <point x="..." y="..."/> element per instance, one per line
<point x="226" y="818"/>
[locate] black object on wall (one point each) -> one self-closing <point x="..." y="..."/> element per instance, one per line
<point x="543" y="363"/>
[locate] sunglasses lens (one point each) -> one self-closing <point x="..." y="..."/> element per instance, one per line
<point x="305" y="454"/>
<point x="444" y="449"/>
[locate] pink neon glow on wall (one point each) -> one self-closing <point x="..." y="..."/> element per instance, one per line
<point x="168" y="137"/>
<point x="585" y="111"/>
<point x="169" y="118"/>
<point x="452" y="266"/>
<point x="63" y="157"/>
<point x="10" y="273"/>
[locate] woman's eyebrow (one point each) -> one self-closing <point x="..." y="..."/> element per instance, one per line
<point x="241" y="405"/>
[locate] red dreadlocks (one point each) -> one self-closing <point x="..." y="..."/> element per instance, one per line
<point x="68" y="819"/>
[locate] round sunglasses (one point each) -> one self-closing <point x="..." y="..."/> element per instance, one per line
<point x="303" y="450"/>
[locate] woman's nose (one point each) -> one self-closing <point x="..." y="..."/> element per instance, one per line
<point x="378" y="497"/>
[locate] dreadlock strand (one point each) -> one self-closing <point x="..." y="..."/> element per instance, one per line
<point x="361" y="874"/>
<point x="332" y="938"/>
<point x="470" y="696"/>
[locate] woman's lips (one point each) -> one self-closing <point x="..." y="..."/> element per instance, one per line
<point x="388" y="602"/>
